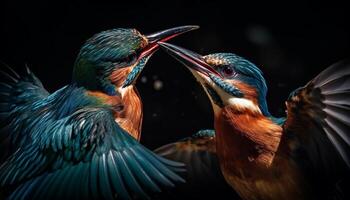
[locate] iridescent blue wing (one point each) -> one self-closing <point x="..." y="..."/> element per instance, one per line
<point x="318" y="124"/>
<point x="17" y="94"/>
<point x="86" y="156"/>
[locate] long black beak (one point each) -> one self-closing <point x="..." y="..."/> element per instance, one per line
<point x="189" y="58"/>
<point x="163" y="36"/>
<point x="167" y="34"/>
<point x="153" y="46"/>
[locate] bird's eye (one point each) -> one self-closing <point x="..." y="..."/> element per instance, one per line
<point x="228" y="71"/>
<point x="130" y="58"/>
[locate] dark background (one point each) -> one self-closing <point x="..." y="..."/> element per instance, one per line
<point x="290" y="42"/>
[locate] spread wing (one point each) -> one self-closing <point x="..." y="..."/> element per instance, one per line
<point x="318" y="122"/>
<point x="197" y="152"/>
<point x="85" y="155"/>
<point x="17" y="94"/>
<point x="203" y="175"/>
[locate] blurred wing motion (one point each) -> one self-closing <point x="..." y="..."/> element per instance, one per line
<point x="17" y="95"/>
<point x="318" y="121"/>
<point x="203" y="174"/>
<point x="85" y="155"/>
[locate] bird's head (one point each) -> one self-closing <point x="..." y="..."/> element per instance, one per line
<point x="113" y="59"/>
<point x="228" y="79"/>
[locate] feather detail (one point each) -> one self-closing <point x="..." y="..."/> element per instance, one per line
<point x="260" y="140"/>
<point x="324" y="101"/>
<point x="98" y="149"/>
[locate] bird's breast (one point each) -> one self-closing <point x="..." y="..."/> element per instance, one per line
<point x="127" y="109"/>
<point x="130" y="117"/>
<point x="247" y="148"/>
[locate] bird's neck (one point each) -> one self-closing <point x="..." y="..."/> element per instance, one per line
<point x="246" y="140"/>
<point x="93" y="76"/>
<point x="127" y="104"/>
<point x="118" y="77"/>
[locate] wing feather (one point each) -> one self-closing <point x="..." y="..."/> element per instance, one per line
<point x="17" y="94"/>
<point x="319" y="116"/>
<point x="115" y="164"/>
<point x="196" y="152"/>
<point x="203" y="174"/>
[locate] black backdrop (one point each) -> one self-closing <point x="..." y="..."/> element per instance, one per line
<point x="291" y="42"/>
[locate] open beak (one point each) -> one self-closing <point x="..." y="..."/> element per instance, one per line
<point x="163" y="36"/>
<point x="189" y="58"/>
<point x="153" y="39"/>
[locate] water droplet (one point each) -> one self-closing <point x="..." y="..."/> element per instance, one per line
<point x="158" y="85"/>
<point x="143" y="79"/>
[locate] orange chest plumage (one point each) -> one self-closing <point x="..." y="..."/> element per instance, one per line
<point x="130" y="118"/>
<point x="130" y="115"/>
<point x="251" y="138"/>
<point x="251" y="159"/>
<point x="127" y="109"/>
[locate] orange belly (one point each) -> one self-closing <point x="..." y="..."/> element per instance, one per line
<point x="282" y="181"/>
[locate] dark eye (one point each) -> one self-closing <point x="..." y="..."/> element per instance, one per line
<point x="130" y="58"/>
<point x="228" y="71"/>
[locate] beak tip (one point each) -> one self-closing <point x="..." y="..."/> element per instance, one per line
<point x="194" y="27"/>
<point x="188" y="28"/>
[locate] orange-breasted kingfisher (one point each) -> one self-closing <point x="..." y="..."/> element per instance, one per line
<point x="81" y="142"/>
<point x="305" y="155"/>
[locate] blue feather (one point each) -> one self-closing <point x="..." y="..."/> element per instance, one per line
<point x="104" y="182"/>
<point x="94" y="184"/>
<point x="152" y="170"/>
<point x="141" y="174"/>
<point x="75" y="146"/>
<point x="128" y="177"/>
<point x="115" y="177"/>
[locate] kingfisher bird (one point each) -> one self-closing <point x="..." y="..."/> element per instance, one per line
<point x="305" y="155"/>
<point x="81" y="142"/>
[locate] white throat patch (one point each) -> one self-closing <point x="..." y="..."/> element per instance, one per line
<point x="243" y="104"/>
<point x="122" y="90"/>
<point x="238" y="103"/>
